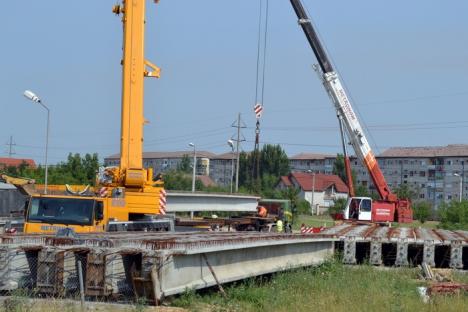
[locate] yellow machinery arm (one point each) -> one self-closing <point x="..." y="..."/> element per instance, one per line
<point x="16" y="181"/>
<point x="135" y="68"/>
<point x="24" y="185"/>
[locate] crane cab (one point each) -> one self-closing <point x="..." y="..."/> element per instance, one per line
<point x="366" y="209"/>
<point x="358" y="208"/>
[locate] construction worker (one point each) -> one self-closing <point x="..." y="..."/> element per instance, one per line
<point x="279" y="226"/>
<point x="262" y="212"/>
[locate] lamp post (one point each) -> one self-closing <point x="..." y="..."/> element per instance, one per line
<point x="33" y="97"/>
<point x="461" y="185"/>
<point x="462" y="177"/>
<point x="231" y="144"/>
<point x="193" y="172"/>
<point x="313" y="192"/>
<point x="194" y="165"/>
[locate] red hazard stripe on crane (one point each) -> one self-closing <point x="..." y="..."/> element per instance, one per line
<point x="162" y="201"/>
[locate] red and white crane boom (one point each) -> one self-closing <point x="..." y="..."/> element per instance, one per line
<point x="347" y="116"/>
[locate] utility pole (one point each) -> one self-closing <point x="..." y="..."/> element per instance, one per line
<point x="238" y="124"/>
<point x="10" y="147"/>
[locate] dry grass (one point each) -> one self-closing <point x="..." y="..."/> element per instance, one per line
<point x="315" y="221"/>
<point x="328" y="221"/>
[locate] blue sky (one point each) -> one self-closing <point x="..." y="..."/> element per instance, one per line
<point x="405" y="64"/>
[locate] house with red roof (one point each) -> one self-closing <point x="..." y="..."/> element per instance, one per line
<point x="16" y="162"/>
<point x="321" y="190"/>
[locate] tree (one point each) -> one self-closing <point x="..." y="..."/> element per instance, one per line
<point x="185" y="164"/>
<point x="180" y="181"/>
<point x="361" y="190"/>
<point x="339" y="167"/>
<point x="422" y="211"/>
<point x="76" y="170"/>
<point x="303" y="207"/>
<point x="245" y="170"/>
<point x="90" y="166"/>
<point x="405" y="191"/>
<point x="292" y="194"/>
<point x="273" y="161"/>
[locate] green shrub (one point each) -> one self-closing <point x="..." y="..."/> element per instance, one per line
<point x="303" y="207"/>
<point x="454" y="215"/>
<point x="338" y="206"/>
<point x="422" y="211"/>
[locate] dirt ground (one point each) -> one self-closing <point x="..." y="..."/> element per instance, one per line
<point x="20" y="304"/>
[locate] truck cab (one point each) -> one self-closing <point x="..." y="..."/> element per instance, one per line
<point x="48" y="214"/>
<point x="116" y="209"/>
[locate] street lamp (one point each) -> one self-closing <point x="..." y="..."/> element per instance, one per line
<point x="461" y="185"/>
<point x="32" y="97"/>
<point x="194" y="165"/>
<point x="231" y="144"/>
<point x="313" y="192"/>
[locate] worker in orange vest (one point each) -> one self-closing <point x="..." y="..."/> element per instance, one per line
<point x="262" y="212"/>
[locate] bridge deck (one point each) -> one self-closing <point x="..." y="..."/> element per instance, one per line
<point x="157" y="264"/>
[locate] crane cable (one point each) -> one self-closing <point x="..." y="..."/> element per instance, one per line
<point x="260" y="84"/>
<point x="265" y="37"/>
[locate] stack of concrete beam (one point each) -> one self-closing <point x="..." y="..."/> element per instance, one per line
<point x="401" y="246"/>
<point x="153" y="265"/>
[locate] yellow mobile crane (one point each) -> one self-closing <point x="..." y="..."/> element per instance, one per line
<point x="126" y="198"/>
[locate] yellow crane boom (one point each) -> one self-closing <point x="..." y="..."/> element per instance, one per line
<point x="126" y="198"/>
<point x="135" y="68"/>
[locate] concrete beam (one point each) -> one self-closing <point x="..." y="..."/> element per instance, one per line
<point x="186" y="202"/>
<point x="15" y="268"/>
<point x="178" y="272"/>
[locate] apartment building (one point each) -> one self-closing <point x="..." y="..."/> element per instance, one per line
<point x="436" y="174"/>
<point x="165" y="161"/>
<point x="223" y="169"/>
<point x="318" y="163"/>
